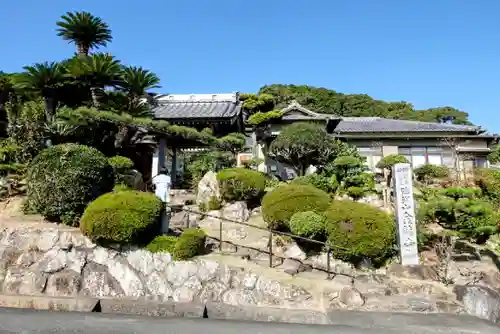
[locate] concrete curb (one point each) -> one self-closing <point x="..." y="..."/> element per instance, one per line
<point x="222" y="311"/>
<point x="80" y="304"/>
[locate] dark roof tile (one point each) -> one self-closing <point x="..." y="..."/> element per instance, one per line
<point x="377" y="124"/>
<point x="196" y="110"/>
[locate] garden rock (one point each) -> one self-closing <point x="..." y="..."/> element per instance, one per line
<point x="293" y="267"/>
<point x="480" y="301"/>
<point x="208" y="187"/>
<point x="421" y="272"/>
<point x="293" y="251"/>
<point x="237" y="211"/>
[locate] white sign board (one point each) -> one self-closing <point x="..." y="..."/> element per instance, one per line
<point x="405" y="214"/>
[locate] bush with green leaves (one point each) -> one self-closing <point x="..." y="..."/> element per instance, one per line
<point x="121" y="168"/>
<point x="308" y="224"/>
<point x="301" y="145"/>
<point x="279" y="205"/>
<point x="358" y="230"/>
<point x="347" y="166"/>
<point x="121" y="187"/>
<point x="63" y="179"/>
<point x="488" y="180"/>
<point x="199" y="164"/>
<point x="163" y="244"/>
<point x="390" y="160"/>
<point x="325" y="183"/>
<point x="190" y="244"/>
<point x="358" y="186"/>
<point x="241" y="184"/>
<point x="462" y="210"/>
<point x="427" y="173"/>
<point x="123" y="217"/>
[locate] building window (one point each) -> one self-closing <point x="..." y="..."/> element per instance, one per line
<point x="435" y="155"/>
<point x="373" y="155"/>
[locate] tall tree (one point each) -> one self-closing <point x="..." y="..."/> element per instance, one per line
<point x="304" y="144"/>
<point x="85" y="30"/>
<point x="43" y="79"/>
<point x="135" y="82"/>
<point x="97" y="71"/>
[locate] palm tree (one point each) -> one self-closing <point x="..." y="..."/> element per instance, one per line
<point x="43" y="79"/>
<point x="85" y="30"/>
<point x="135" y="81"/>
<point x="97" y="71"/>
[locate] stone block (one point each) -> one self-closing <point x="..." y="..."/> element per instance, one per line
<point x="224" y="311"/>
<point x="78" y="304"/>
<point x="152" y="308"/>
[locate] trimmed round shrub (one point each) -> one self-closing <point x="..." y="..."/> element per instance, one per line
<point x="426" y="173"/>
<point x="327" y="184"/>
<point x="163" y="244"/>
<point x="123" y="217"/>
<point x="358" y="230"/>
<point x="190" y="244"/>
<point x="241" y="184"/>
<point x="307" y="224"/>
<point x="121" y="187"/>
<point x="390" y="160"/>
<point x="279" y="205"/>
<point x="120" y="163"/>
<point x="63" y="179"/>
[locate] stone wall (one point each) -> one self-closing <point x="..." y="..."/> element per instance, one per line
<point x="54" y="263"/>
<point x="61" y="263"/>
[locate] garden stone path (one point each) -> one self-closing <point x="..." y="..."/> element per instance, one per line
<point x="239" y="240"/>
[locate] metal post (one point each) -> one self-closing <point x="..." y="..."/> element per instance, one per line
<point x="270" y="248"/>
<point x="220" y="235"/>
<point x="328" y="261"/>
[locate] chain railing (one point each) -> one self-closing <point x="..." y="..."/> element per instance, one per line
<point x="327" y="246"/>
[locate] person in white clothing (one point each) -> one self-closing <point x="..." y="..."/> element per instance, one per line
<point x="162" y="183"/>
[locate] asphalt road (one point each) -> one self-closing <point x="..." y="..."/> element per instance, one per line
<point x="30" y="321"/>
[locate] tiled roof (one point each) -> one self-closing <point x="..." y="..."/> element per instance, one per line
<point x="196" y="110"/>
<point x="377" y="124"/>
<point x="197" y="106"/>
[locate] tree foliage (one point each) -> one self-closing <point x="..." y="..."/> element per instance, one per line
<point x="84" y="30"/>
<point x="304" y="144"/>
<point x="328" y="101"/>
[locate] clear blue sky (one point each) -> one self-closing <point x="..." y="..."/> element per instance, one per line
<point x="427" y="52"/>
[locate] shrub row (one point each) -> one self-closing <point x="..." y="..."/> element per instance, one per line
<point x="354" y="230"/>
<point x="190" y="244"/>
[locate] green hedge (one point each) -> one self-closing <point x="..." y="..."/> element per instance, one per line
<point x="279" y="205"/>
<point x="163" y="244"/>
<point x="63" y="179"/>
<point x="358" y="230"/>
<point x="124" y="217"/>
<point x="241" y="184"/>
<point x="308" y="224"/>
<point x="190" y="244"/>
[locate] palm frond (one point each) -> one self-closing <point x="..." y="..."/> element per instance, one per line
<point x="98" y="69"/>
<point x="85" y="30"/>
<point x="41" y="77"/>
<point x="136" y="81"/>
